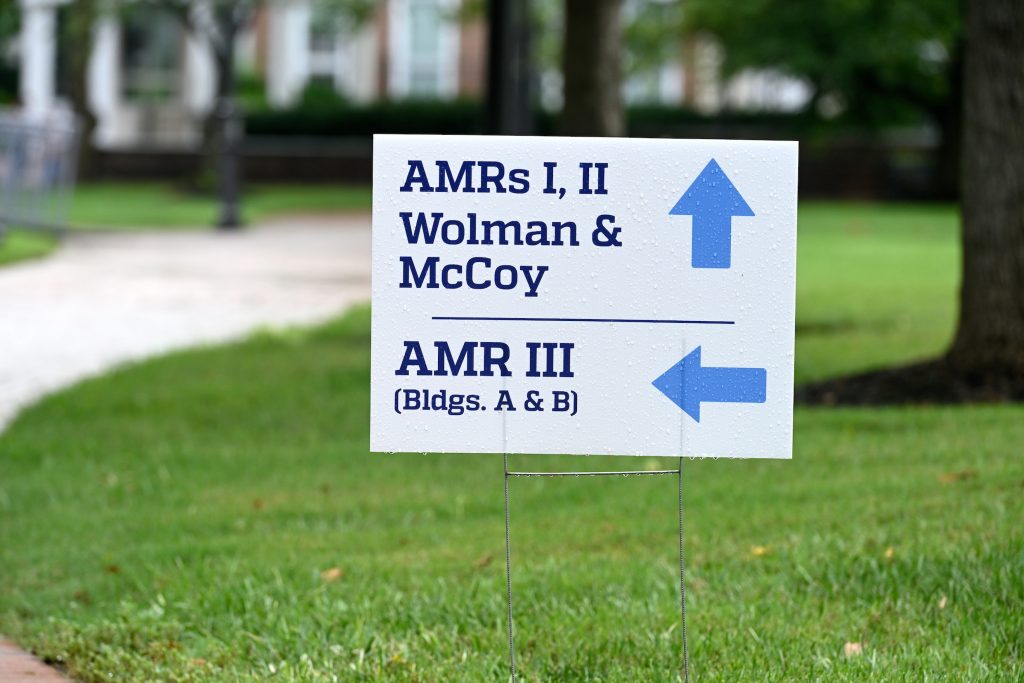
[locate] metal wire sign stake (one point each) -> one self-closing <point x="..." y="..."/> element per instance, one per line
<point x="583" y="296"/>
<point x="626" y="473"/>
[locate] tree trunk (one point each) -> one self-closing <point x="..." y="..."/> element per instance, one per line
<point x="986" y="360"/>
<point x="203" y="177"/>
<point x="948" y="117"/>
<point x="591" y="66"/>
<point x="81" y="16"/>
<point x="989" y="343"/>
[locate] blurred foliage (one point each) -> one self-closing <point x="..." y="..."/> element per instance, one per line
<point x="9" y="84"/>
<point x="660" y="120"/>
<point x="319" y="95"/>
<point x="10" y="24"/>
<point x="548" y="34"/>
<point x="347" y="12"/>
<point x="651" y="32"/>
<point x="875" y="61"/>
<point x="651" y="35"/>
<point x="252" y="90"/>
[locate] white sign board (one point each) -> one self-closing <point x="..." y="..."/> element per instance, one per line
<point x="587" y="296"/>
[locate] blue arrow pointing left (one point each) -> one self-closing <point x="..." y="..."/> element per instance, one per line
<point x="712" y="200"/>
<point x="688" y="384"/>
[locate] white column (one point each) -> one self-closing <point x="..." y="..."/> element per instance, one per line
<point x="708" y="97"/>
<point x="200" y="80"/>
<point x="104" y="85"/>
<point x="445" y="61"/>
<point x="398" y="45"/>
<point x="357" y="66"/>
<point x="670" y="86"/>
<point x="288" y="26"/>
<point x="38" y="56"/>
<point x="448" y="59"/>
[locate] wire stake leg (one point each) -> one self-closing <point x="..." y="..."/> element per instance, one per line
<point x="682" y="575"/>
<point x="508" y="580"/>
<point x="508" y="551"/>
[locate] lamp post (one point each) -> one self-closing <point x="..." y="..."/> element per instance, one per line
<point x="509" y="72"/>
<point x="229" y="123"/>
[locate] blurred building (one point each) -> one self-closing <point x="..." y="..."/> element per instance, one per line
<point x="407" y="49"/>
<point x="150" y="83"/>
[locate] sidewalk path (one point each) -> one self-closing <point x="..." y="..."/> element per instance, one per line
<point x="104" y="299"/>
<point x="17" y="666"/>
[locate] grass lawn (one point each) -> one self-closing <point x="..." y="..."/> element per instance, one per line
<point x="214" y="515"/>
<point x="876" y="285"/>
<point x="159" y="205"/>
<point x="135" y="206"/>
<point x="21" y="245"/>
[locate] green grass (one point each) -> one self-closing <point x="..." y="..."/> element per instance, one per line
<point x="174" y="520"/>
<point x="876" y="285"/>
<point x="135" y="206"/>
<point x="154" y="205"/>
<point x="23" y="245"/>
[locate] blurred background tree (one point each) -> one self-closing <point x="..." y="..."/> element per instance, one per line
<point x="986" y="359"/>
<point x="989" y="346"/>
<point x="873" y="63"/>
<point x="10" y="25"/>
<point x="76" y="35"/>
<point x="219" y="23"/>
<point x="592" y="68"/>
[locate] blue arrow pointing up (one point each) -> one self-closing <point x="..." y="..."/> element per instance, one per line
<point x="712" y="200"/>
<point x="687" y="384"/>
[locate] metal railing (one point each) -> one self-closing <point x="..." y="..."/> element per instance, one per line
<point x="38" y="159"/>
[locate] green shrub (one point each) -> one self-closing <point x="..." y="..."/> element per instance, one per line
<point x="316" y="116"/>
<point x="252" y="91"/>
<point x="319" y="95"/>
<point x="321" y="112"/>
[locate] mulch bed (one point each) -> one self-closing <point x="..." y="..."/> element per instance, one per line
<point x="936" y="381"/>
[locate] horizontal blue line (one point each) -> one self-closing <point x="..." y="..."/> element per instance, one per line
<point x="582" y="320"/>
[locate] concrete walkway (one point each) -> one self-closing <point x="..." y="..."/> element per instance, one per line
<point x="18" y="667"/>
<point x="104" y="299"/>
